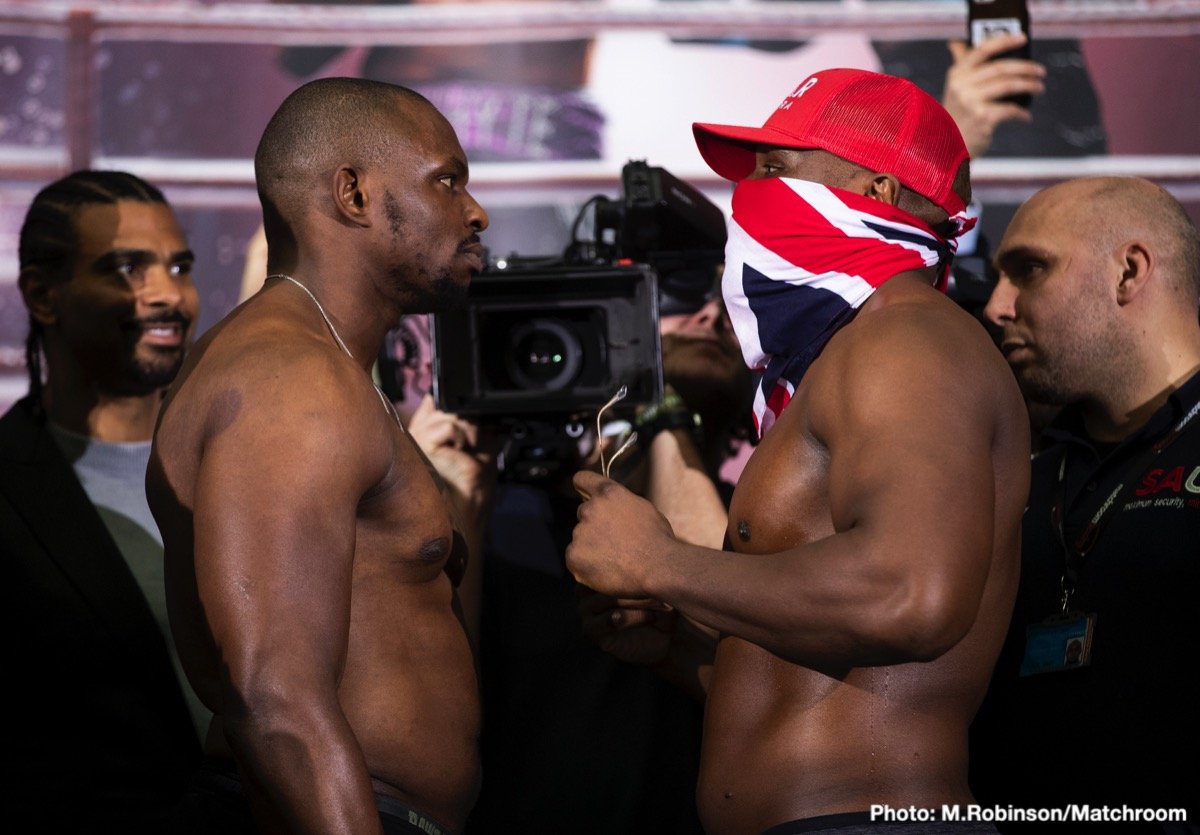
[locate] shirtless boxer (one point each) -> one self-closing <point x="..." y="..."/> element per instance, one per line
<point x="310" y="552"/>
<point x="877" y="523"/>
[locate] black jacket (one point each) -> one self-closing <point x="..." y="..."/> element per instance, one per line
<point x="96" y="733"/>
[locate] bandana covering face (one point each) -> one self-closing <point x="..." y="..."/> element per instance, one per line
<point x="801" y="259"/>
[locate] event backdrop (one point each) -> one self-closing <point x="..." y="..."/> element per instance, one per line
<point x="564" y="113"/>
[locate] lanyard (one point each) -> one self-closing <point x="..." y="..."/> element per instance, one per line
<point x="1075" y="552"/>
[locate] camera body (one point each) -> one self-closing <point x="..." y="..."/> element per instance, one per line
<point x="549" y="341"/>
<point x="665" y="222"/>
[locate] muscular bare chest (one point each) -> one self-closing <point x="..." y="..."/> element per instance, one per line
<point x="782" y="497"/>
<point x="405" y="525"/>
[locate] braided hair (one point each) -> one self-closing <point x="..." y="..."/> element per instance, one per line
<point x="49" y="239"/>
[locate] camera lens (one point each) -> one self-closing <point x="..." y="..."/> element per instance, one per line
<point x="543" y="354"/>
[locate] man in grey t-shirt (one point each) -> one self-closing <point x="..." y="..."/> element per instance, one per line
<point x="102" y="736"/>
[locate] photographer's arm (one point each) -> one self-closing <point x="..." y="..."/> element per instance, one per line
<point x="680" y="487"/>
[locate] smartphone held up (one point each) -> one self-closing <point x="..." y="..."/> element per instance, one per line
<point x="990" y="18"/>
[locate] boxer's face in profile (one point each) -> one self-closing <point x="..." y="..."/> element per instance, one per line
<point x="432" y="220"/>
<point x="793" y="163"/>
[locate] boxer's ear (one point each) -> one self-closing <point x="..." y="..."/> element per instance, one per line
<point x="350" y="195"/>
<point x="883" y="187"/>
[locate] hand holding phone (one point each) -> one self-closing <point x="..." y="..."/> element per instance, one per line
<point x="982" y="84"/>
<point x="987" y="19"/>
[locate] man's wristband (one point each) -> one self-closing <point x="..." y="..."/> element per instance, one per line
<point x="668" y="414"/>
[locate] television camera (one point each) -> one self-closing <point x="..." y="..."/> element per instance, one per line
<point x="542" y="344"/>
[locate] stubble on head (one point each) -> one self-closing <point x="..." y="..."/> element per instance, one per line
<point x="1082" y="349"/>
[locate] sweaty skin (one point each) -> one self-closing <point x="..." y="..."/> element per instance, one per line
<point x="349" y="530"/>
<point x="876" y="530"/>
<point x="309" y="546"/>
<point x="911" y="483"/>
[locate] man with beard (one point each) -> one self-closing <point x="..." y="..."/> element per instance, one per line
<point x="101" y="738"/>
<point x="312" y="557"/>
<point x="1099" y="280"/>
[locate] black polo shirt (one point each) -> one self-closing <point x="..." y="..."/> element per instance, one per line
<point x="1126" y="729"/>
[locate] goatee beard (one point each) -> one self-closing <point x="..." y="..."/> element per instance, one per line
<point x="439" y="295"/>
<point x="146" y="375"/>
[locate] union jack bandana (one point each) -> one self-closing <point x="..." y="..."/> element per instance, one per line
<point x="801" y="259"/>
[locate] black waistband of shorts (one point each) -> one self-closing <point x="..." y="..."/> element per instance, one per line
<point x="390" y="807"/>
<point x="856" y="823"/>
<point x="820" y="822"/>
<point x="224" y="774"/>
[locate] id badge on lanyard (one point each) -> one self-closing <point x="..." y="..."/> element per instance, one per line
<point x="1063" y="641"/>
<point x="1060" y="642"/>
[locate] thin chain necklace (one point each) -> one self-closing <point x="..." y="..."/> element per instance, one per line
<point x="387" y="404"/>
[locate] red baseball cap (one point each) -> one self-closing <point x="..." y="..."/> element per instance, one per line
<point x="880" y="122"/>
